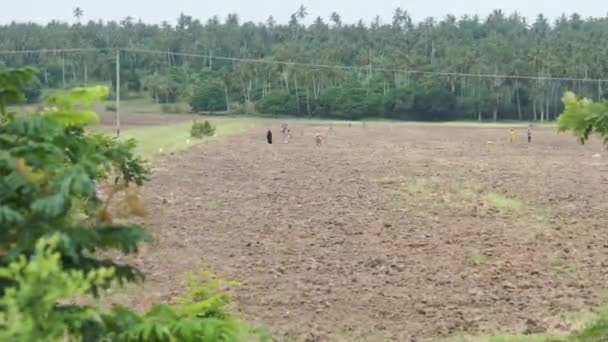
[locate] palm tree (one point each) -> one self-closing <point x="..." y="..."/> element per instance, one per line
<point x="301" y="13"/>
<point x="78" y="13"/>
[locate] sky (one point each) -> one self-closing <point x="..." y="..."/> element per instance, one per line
<point x="151" y="11"/>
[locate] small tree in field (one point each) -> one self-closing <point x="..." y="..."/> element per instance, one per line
<point x="201" y="129"/>
<point x="208" y="96"/>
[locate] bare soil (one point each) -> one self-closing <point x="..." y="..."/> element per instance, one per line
<point x="386" y="231"/>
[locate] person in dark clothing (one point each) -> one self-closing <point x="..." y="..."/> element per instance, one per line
<point x="269" y="137"/>
<point x="529" y="134"/>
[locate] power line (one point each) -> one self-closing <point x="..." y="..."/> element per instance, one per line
<point x="310" y="65"/>
<point x="366" y="67"/>
<point x="18" y="52"/>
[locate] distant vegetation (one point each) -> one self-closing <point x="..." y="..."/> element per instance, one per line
<point x="500" y="44"/>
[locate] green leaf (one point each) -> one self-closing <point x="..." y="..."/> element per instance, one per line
<point x="51" y="206"/>
<point x="9" y="216"/>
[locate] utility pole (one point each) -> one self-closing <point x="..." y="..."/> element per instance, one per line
<point x="63" y="70"/>
<point x="117" y="92"/>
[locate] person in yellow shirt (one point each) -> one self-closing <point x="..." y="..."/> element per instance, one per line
<point x="512" y="136"/>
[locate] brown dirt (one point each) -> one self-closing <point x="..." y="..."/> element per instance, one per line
<point x="386" y="230"/>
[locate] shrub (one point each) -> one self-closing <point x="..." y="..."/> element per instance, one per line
<point x="238" y="108"/>
<point x="208" y="96"/>
<point x="13" y="83"/>
<point x="49" y="169"/>
<point x="33" y="91"/>
<point x="29" y="308"/>
<point x="277" y="102"/>
<point x="201" y="129"/>
<point x="30" y="312"/>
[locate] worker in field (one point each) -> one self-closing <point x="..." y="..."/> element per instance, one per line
<point x="319" y="139"/>
<point x="269" y="136"/>
<point x="287" y="136"/>
<point x="529" y="134"/>
<point x="512" y="135"/>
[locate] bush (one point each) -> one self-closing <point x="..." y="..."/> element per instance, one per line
<point x="49" y="169"/>
<point x="399" y="102"/>
<point x="33" y="91"/>
<point x="241" y="108"/>
<point x="208" y="96"/>
<point x="201" y="129"/>
<point x="277" y="102"/>
<point x="31" y="312"/>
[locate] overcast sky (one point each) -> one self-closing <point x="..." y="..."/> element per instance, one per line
<point x="156" y="11"/>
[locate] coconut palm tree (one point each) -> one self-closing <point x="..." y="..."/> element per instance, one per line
<point x="78" y="13"/>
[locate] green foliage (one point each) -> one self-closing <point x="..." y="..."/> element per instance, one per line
<point x="238" y="108"/>
<point x="498" y="44"/>
<point x="594" y="331"/>
<point x="68" y="106"/>
<point x="201" y="129"/>
<point x="208" y="96"/>
<point x="277" y="102"/>
<point x="12" y="85"/>
<point x="502" y="202"/>
<point x="399" y="102"/>
<point x="53" y="224"/>
<point x="33" y="91"/>
<point x="584" y="117"/>
<point x="202" y="314"/>
<point x="355" y="102"/>
<point x="165" y="87"/>
<point x="30" y="310"/>
<point x="49" y="169"/>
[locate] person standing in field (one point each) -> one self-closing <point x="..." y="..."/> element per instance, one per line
<point x="512" y="136"/>
<point x="287" y="136"/>
<point x="269" y="137"/>
<point x="529" y="134"/>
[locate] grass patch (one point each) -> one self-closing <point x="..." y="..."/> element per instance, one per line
<point x="501" y="338"/>
<point x="504" y="338"/>
<point x="419" y="186"/>
<point x="595" y="330"/>
<point x="504" y="203"/>
<point x="468" y="189"/>
<point x="478" y="259"/>
<point x="154" y="140"/>
<point x="557" y="264"/>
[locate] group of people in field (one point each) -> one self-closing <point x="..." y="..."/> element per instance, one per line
<point x="319" y="138"/>
<point x="529" y="135"/>
<point x="287" y="135"/>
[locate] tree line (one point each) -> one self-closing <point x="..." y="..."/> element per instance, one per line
<point x="392" y="66"/>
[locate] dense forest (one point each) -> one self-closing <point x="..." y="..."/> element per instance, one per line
<point x="444" y="69"/>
